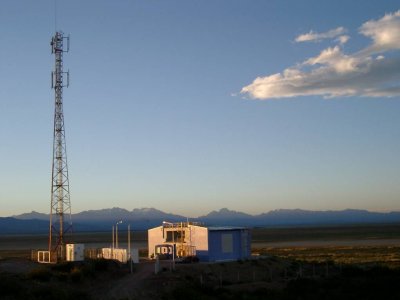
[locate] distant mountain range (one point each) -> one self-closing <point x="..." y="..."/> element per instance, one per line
<point x="144" y="218"/>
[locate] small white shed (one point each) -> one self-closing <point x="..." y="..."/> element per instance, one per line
<point x="75" y="252"/>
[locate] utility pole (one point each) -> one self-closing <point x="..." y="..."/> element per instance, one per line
<point x="129" y="247"/>
<point x="116" y="234"/>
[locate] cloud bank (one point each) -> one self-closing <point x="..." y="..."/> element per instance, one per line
<point x="371" y="72"/>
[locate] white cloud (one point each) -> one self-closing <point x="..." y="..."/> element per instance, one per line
<point x="343" y="39"/>
<point x="373" y="78"/>
<point x="314" y="36"/>
<point x="334" y="58"/>
<point x="333" y="73"/>
<point x="385" y="33"/>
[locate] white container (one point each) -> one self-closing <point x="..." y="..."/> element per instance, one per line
<point x="75" y="252"/>
<point x="115" y="253"/>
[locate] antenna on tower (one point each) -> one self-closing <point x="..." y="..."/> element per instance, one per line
<point x="60" y="207"/>
<point x="55" y="15"/>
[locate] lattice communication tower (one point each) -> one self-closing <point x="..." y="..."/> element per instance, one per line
<point x="60" y="208"/>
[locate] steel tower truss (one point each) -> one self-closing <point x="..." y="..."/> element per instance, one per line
<point x="60" y="209"/>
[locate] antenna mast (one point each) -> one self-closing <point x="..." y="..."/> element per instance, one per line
<point x="60" y="207"/>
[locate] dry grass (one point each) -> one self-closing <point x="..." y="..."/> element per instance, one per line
<point x="382" y="255"/>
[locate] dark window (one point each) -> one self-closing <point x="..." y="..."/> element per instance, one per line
<point x="177" y="237"/>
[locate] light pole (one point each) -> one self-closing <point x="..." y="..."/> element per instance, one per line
<point x="116" y="233"/>
<point x="129" y="246"/>
<point x="173" y="243"/>
<point x="113" y="241"/>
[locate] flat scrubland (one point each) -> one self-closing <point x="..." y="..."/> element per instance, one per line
<point x="288" y="263"/>
<point x="367" y="244"/>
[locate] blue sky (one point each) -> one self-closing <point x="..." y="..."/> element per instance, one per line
<point x="164" y="108"/>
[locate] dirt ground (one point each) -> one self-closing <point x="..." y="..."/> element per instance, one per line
<point x="143" y="283"/>
<point x="222" y="280"/>
<point x="130" y="286"/>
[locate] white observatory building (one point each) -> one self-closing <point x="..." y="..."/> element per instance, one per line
<point x="212" y="244"/>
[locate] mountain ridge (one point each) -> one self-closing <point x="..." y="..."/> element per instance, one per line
<point x="145" y="218"/>
<point x="222" y="212"/>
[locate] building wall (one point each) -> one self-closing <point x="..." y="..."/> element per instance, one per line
<point x="200" y="241"/>
<point x="196" y="236"/>
<point x="155" y="237"/>
<point x="229" y="244"/>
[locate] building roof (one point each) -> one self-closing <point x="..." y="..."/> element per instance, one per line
<point x="223" y="228"/>
<point x="210" y="228"/>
